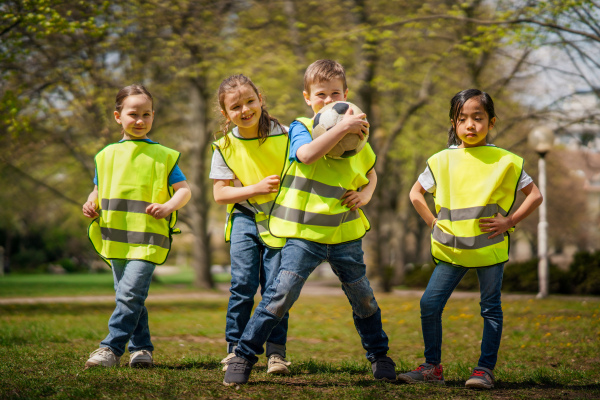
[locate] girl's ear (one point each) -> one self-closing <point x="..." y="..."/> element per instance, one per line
<point x="225" y="115"/>
<point x="118" y="117"/>
<point x="492" y="123"/>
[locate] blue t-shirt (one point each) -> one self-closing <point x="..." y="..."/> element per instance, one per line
<point x="175" y="176"/>
<point x="299" y="136"/>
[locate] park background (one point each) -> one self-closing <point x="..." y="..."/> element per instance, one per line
<point x="62" y="63"/>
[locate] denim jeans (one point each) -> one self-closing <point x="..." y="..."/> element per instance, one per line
<point x="299" y="259"/>
<point x="252" y="264"/>
<point x="129" y="321"/>
<point x="442" y="283"/>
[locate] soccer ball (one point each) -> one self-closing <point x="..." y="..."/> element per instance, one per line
<point x="326" y="119"/>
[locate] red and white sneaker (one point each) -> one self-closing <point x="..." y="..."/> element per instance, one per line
<point x="425" y="373"/>
<point x="481" y="378"/>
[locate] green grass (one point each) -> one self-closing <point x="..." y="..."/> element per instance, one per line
<point x="550" y="349"/>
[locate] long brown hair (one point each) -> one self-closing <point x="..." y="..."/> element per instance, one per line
<point x="265" y="121"/>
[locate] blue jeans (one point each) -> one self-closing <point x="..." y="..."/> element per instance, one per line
<point x="129" y="321"/>
<point x="442" y="283"/>
<point x="299" y="259"/>
<point x="252" y="263"/>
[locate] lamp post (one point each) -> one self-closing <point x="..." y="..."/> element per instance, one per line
<point x="541" y="140"/>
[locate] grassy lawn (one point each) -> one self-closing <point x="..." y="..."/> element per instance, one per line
<point x="550" y="349"/>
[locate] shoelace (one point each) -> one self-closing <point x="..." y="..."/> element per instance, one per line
<point x="237" y="367"/>
<point x="479" y="372"/>
<point x="279" y="360"/>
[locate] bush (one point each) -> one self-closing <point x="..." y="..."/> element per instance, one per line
<point x="584" y="273"/>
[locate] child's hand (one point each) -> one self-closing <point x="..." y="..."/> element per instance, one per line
<point x="89" y="209"/>
<point x="158" y="210"/>
<point x="270" y="184"/>
<point x="355" y="123"/>
<point x="497" y="224"/>
<point x="355" y="200"/>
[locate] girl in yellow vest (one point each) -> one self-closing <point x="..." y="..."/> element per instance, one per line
<point x="138" y="189"/>
<point x="474" y="185"/>
<point x="246" y="167"/>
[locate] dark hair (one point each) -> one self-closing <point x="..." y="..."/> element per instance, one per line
<point x="324" y="70"/>
<point x="456" y="105"/>
<point x="131" y="90"/>
<point x="265" y="121"/>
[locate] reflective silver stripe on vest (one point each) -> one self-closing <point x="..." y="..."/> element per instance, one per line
<point x="466" y="243"/>
<point x="134" y="206"/>
<point x="307" y="218"/>
<point x="265" y="207"/>
<point x="148" y="238"/>
<point x="314" y="187"/>
<point x="463" y="214"/>
<point x="125" y="205"/>
<point x="263" y="226"/>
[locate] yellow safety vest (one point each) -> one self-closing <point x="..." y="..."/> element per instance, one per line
<point x="309" y="203"/>
<point x="471" y="184"/>
<point x="133" y="174"/>
<point x="252" y="161"/>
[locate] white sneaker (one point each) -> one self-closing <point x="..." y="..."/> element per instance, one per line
<point x="226" y="360"/>
<point x="278" y="365"/>
<point x="141" y="359"/>
<point x="102" y="357"/>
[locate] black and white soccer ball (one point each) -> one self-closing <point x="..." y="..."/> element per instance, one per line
<point x="327" y="118"/>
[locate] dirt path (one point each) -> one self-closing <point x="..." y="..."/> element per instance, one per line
<point x="311" y="288"/>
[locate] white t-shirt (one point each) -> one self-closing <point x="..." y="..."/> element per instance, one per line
<point x="220" y="170"/>
<point x="426" y="178"/>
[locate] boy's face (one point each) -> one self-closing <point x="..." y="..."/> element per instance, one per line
<point x="323" y="93"/>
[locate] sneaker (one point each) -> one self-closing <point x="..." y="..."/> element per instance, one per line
<point x="226" y="360"/>
<point x="384" y="369"/>
<point x="481" y="378"/>
<point x="141" y="359"/>
<point x="278" y="365"/>
<point x="424" y="373"/>
<point x="102" y="357"/>
<point x="238" y="372"/>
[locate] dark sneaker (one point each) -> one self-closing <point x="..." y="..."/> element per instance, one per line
<point x="481" y="378"/>
<point x="383" y="369"/>
<point x="425" y="373"/>
<point x="238" y="371"/>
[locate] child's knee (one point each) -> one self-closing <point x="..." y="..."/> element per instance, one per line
<point x="287" y="291"/>
<point x="361" y="297"/>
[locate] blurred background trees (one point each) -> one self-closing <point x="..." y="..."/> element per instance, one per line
<point x="63" y="62"/>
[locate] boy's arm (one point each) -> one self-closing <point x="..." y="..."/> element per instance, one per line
<point x="224" y="193"/>
<point x="91" y="205"/>
<point x="417" y="199"/>
<point x="500" y="224"/>
<point x="311" y="152"/>
<point x="182" y="195"/>
<point x="356" y="199"/>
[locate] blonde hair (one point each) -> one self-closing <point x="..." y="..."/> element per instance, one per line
<point x="324" y="70"/>
<point x="265" y="121"/>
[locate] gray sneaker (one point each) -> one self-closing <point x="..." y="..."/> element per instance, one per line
<point x="141" y="359"/>
<point x="102" y="357"/>
<point x="481" y="378"/>
<point x="238" y="372"/>
<point x="425" y="373"/>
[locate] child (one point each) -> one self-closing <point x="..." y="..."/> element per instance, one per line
<point x="135" y="180"/>
<point x="246" y="166"/>
<point x="474" y="186"/>
<point x="317" y="209"/>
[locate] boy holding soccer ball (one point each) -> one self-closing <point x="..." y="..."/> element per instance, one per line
<point x="318" y="210"/>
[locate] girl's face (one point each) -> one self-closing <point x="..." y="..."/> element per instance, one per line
<point x="473" y="124"/>
<point x="243" y="107"/>
<point x="136" y="117"/>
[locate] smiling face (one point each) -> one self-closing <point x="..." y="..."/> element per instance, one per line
<point x="325" y="92"/>
<point x="473" y="124"/>
<point x="243" y="107"/>
<point x="136" y="117"/>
